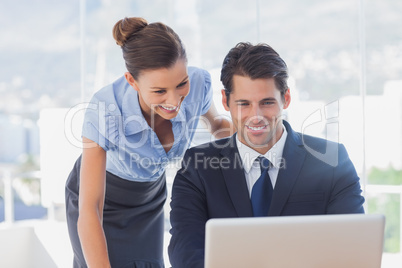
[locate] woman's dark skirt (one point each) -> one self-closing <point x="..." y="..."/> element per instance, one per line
<point x="133" y="220"/>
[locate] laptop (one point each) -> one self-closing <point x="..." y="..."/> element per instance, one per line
<point x="318" y="241"/>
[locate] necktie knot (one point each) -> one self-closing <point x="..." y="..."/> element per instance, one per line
<point x="265" y="164"/>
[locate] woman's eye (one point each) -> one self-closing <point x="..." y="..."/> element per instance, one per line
<point x="182" y="84"/>
<point x="160" y="91"/>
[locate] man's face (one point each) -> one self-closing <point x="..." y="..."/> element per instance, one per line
<point x="256" y="108"/>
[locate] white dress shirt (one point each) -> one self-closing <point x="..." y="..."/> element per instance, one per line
<point x="252" y="169"/>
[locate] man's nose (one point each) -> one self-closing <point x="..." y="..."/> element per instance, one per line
<point x="255" y="115"/>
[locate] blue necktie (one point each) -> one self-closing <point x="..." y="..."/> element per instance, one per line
<point x="261" y="194"/>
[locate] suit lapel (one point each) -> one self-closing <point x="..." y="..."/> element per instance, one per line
<point x="293" y="155"/>
<point x="235" y="180"/>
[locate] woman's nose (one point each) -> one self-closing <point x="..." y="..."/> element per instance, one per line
<point x="173" y="99"/>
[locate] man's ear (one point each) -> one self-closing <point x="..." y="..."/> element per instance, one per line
<point x="224" y="100"/>
<point x="287" y="99"/>
<point x="130" y="79"/>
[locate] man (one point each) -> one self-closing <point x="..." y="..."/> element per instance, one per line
<point x="225" y="178"/>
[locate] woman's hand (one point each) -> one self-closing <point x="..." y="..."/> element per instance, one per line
<point x="219" y="125"/>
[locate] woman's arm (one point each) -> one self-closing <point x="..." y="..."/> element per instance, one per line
<point x="218" y="125"/>
<point x="91" y="200"/>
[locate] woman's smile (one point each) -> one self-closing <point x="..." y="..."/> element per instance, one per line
<point x="169" y="109"/>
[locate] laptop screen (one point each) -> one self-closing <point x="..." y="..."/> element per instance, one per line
<point x="322" y="241"/>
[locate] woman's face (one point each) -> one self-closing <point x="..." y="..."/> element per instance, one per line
<point x="162" y="91"/>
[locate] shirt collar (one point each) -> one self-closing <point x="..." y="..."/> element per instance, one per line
<point x="274" y="155"/>
<point x="133" y="120"/>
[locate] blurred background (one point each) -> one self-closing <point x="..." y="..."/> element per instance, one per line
<point x="344" y="58"/>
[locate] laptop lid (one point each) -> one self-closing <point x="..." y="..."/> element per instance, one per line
<point x="322" y="241"/>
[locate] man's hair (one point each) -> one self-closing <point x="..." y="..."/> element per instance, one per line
<point x="254" y="61"/>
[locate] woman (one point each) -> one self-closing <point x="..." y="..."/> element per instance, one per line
<point x="132" y="129"/>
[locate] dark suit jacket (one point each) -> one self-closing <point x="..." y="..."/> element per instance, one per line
<point x="317" y="177"/>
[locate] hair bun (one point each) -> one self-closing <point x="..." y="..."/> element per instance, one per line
<point x="126" y="27"/>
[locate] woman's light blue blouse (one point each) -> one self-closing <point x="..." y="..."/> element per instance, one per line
<point x="113" y="120"/>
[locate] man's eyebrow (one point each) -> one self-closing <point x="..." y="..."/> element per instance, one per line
<point x="269" y="99"/>
<point x="266" y="99"/>
<point x="163" y="88"/>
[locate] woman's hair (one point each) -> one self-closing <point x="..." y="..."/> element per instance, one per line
<point x="147" y="46"/>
